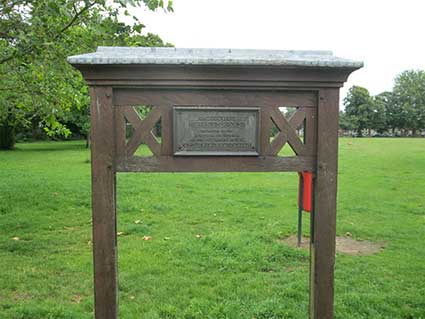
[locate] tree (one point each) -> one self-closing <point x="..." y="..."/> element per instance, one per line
<point x="409" y="100"/>
<point x="347" y="122"/>
<point x="378" y="117"/>
<point x="38" y="86"/>
<point x="393" y="115"/>
<point x="360" y="107"/>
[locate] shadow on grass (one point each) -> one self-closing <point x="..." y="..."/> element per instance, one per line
<point x="50" y="146"/>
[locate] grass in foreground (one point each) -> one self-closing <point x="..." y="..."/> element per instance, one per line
<point x="215" y="249"/>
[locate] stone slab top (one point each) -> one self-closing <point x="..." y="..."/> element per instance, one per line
<point x="235" y="57"/>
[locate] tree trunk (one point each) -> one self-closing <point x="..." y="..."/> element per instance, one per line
<point x="7" y="136"/>
<point x="36" y="131"/>
<point x="88" y="140"/>
<point x="414" y="132"/>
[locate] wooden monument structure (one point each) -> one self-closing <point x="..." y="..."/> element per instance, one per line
<point x="216" y="108"/>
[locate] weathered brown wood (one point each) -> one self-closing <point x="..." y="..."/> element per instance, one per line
<point x="120" y="131"/>
<point x="216" y="164"/>
<point x="287" y="130"/>
<point x="282" y="138"/>
<point x="143" y="130"/>
<point x="103" y="203"/>
<point x="229" y="98"/>
<point x="324" y="218"/>
<point x="310" y="130"/>
<point x="166" y="127"/>
<point x="250" y="86"/>
<point x="265" y="127"/>
<point x="277" y="144"/>
<point x="297" y="118"/>
<point x="185" y="76"/>
<point x="306" y="117"/>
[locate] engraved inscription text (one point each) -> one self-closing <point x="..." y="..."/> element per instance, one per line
<point x="215" y="131"/>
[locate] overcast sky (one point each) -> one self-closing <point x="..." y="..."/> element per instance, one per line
<point x="388" y="35"/>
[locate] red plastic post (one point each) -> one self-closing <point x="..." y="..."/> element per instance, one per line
<point x="307" y="191"/>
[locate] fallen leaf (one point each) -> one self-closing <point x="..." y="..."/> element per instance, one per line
<point x="20" y="296"/>
<point x="198" y="236"/>
<point x="132" y="297"/>
<point x="16" y="238"/>
<point x="147" y="237"/>
<point x="77" y="298"/>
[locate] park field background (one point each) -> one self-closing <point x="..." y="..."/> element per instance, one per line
<point x="216" y="246"/>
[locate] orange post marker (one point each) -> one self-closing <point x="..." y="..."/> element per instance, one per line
<point x="304" y="199"/>
<point x="307" y="191"/>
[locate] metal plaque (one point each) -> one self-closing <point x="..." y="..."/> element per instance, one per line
<point x="219" y="131"/>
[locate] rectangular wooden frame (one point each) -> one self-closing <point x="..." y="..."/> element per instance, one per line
<point x="265" y="101"/>
<point x="115" y="88"/>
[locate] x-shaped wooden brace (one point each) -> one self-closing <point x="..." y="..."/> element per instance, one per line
<point x="142" y="130"/>
<point x="287" y="132"/>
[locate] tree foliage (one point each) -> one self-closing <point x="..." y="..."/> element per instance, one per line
<point x="39" y="88"/>
<point x="347" y="122"/>
<point x="402" y="109"/>
<point x="409" y="99"/>
<point x="360" y="107"/>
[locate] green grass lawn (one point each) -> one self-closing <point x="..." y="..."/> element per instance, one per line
<point x="237" y="267"/>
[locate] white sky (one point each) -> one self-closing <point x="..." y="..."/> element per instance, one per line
<point x="388" y="35"/>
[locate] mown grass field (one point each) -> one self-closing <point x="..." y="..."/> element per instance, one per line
<point x="237" y="267"/>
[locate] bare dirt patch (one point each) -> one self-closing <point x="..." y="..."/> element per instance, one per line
<point x="345" y="245"/>
<point x="19" y="296"/>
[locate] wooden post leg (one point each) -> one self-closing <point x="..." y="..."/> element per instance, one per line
<point x="322" y="246"/>
<point x="103" y="203"/>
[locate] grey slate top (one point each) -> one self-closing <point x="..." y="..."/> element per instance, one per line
<point x="161" y="55"/>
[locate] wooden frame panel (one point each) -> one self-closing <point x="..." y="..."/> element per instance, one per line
<point x="217" y="164"/>
<point x="115" y="88"/>
<point x="214" y="76"/>
<point x="229" y="98"/>
<point x="103" y="203"/>
<point x="322" y="247"/>
<point x="268" y="102"/>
